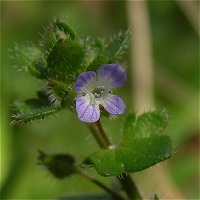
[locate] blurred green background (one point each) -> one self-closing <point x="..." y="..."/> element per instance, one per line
<point x="175" y="55"/>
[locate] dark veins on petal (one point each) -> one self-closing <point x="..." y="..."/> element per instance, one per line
<point x="110" y="101"/>
<point x="83" y="112"/>
<point x="80" y="105"/>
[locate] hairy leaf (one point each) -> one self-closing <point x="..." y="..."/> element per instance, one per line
<point x="32" y="109"/>
<point x="115" y="47"/>
<point x="30" y="59"/>
<point x="142" y="146"/>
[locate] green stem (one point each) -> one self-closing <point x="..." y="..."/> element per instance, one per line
<point x="129" y="187"/>
<point x="97" y="135"/>
<point x="103" y="134"/>
<point x="125" y="180"/>
<point x="96" y="182"/>
<point x="100" y="135"/>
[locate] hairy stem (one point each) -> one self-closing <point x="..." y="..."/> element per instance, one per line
<point x="129" y="187"/>
<point x="125" y="180"/>
<point x="115" y="195"/>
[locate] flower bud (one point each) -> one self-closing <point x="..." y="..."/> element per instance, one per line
<point x="60" y="165"/>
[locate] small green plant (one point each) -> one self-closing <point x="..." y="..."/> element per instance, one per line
<point x="79" y="75"/>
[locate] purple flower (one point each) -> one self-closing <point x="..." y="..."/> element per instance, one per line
<point x="94" y="92"/>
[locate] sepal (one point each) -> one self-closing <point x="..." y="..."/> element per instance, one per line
<point x="55" y="31"/>
<point x="96" y="63"/>
<point x="68" y="31"/>
<point x="61" y="94"/>
<point x="66" y="60"/>
<point x="107" y="53"/>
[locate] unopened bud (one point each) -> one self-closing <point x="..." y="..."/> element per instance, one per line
<point x="60" y="165"/>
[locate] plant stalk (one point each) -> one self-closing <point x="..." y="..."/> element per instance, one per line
<point x="127" y="183"/>
<point x="129" y="187"/>
<point x="97" y="135"/>
<point x="115" y="195"/>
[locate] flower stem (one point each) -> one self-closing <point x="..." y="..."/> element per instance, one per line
<point x="95" y="132"/>
<point x="115" y="195"/>
<point x="125" y="180"/>
<point x="103" y="134"/>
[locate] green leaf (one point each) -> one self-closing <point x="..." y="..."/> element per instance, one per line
<point x="65" y="60"/>
<point x="106" y="163"/>
<point x="147" y="124"/>
<point x="32" y="109"/>
<point x="51" y="99"/>
<point x="114" y="48"/>
<point x="144" y="152"/>
<point x="142" y="146"/>
<point x="30" y="59"/>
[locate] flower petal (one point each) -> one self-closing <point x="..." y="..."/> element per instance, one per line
<point x="113" y="104"/>
<point x="84" y="81"/>
<point x="113" y="75"/>
<point x="87" y="112"/>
